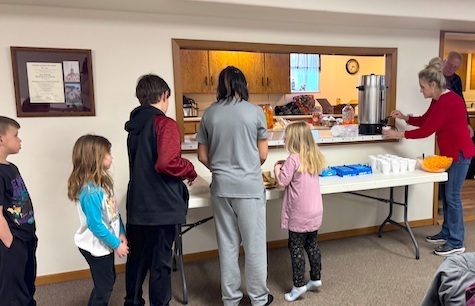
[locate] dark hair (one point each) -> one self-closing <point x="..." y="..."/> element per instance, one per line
<point x="5" y="123"/>
<point x="232" y="83"/>
<point x="150" y="89"/>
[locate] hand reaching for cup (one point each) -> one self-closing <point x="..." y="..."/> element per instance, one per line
<point x="397" y="114"/>
<point x="392" y="134"/>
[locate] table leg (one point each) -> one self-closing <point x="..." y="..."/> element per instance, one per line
<point x="178" y="256"/>
<point x="388" y="219"/>
<point x="181" y="229"/>
<point x="406" y="226"/>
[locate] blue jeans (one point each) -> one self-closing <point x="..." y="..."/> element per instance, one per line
<point x="453" y="228"/>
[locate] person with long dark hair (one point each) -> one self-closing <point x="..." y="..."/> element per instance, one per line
<point x="232" y="143"/>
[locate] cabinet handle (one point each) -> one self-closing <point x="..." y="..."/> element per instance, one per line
<point x="263" y="81"/>
<point x="211" y="80"/>
<point x="206" y="81"/>
<point x="268" y="83"/>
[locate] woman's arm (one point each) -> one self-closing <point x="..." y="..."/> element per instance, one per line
<point x="203" y="155"/>
<point x="263" y="148"/>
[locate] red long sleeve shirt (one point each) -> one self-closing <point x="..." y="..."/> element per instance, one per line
<point x="446" y="118"/>
<point x="169" y="160"/>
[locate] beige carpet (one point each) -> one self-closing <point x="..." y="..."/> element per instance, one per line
<point x="364" y="270"/>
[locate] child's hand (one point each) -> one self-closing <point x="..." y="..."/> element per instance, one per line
<point x="191" y="181"/>
<point x="123" y="239"/>
<point x="122" y="250"/>
<point x="279" y="162"/>
<point x="7" y="241"/>
<point x="277" y="168"/>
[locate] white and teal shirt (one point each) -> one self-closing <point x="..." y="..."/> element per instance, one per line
<point x="100" y="221"/>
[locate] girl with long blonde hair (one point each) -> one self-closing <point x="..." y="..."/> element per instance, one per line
<point x="101" y="230"/>
<point x="302" y="207"/>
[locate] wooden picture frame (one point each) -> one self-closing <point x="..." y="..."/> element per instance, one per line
<point x="53" y="82"/>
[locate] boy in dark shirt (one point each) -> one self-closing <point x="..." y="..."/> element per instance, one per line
<point x="157" y="198"/>
<point x="17" y="225"/>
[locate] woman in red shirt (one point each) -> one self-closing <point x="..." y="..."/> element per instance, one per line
<point x="446" y="117"/>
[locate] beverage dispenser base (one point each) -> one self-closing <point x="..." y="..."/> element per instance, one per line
<point x="370" y="129"/>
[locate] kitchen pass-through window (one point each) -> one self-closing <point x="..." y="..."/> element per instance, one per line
<point x="304" y="72"/>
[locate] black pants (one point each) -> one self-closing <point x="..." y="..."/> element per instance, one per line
<point x="103" y="275"/>
<point x="150" y="249"/>
<point x="18" y="273"/>
<point x="297" y="243"/>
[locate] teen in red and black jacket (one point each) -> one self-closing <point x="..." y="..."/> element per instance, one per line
<point x="157" y="198"/>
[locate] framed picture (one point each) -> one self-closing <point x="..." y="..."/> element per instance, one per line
<point x="53" y="82"/>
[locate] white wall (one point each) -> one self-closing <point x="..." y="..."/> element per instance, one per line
<point x="125" y="46"/>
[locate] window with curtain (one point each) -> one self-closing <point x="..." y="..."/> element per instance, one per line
<point x="304" y="72"/>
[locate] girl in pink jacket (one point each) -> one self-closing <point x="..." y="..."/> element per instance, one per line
<point x="302" y="207"/>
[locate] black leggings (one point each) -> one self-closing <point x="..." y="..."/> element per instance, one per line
<point x="297" y="243"/>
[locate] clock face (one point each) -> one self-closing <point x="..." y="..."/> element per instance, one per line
<point x="352" y="66"/>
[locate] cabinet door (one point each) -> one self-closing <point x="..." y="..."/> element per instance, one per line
<point x="189" y="128"/>
<point x="194" y="71"/>
<point x="277" y="73"/>
<point x="218" y="60"/>
<point x="252" y="65"/>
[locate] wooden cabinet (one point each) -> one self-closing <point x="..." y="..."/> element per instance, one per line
<point x="277" y="73"/>
<point x="190" y="127"/>
<point x="194" y="71"/>
<point x="252" y="65"/>
<point x="218" y="60"/>
<point x="265" y="72"/>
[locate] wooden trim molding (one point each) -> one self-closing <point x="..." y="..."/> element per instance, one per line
<point x="82" y="274"/>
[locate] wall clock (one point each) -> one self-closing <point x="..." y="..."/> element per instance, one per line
<point x="352" y="66"/>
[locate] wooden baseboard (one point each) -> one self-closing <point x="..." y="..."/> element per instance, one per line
<point x="440" y="220"/>
<point x="81" y="274"/>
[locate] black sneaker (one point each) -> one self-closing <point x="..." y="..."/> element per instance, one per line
<point x="436" y="239"/>
<point x="446" y="250"/>
<point x="270" y="299"/>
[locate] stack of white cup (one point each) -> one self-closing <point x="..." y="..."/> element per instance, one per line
<point x="389" y="163"/>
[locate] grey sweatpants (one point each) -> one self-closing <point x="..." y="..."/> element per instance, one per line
<point x="242" y="221"/>
<point x="453" y="276"/>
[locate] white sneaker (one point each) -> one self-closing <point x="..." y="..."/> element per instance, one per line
<point x="295" y="293"/>
<point x="312" y="285"/>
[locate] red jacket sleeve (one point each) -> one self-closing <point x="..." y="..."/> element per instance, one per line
<point x="435" y="117"/>
<point x="169" y="160"/>
<point x="419" y="121"/>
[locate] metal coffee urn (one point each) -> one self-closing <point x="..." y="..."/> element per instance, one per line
<point x="371" y="104"/>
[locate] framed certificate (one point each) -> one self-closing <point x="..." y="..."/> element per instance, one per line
<point x="53" y="82"/>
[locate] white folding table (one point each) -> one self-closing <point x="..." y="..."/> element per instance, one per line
<point x="200" y="197"/>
